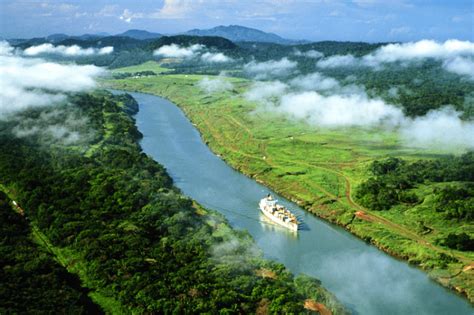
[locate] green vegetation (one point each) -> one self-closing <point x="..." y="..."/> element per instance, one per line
<point x="112" y="215"/>
<point x="149" y="66"/>
<point x="394" y="178"/>
<point x="320" y="169"/>
<point x="32" y="281"/>
<point x="461" y="241"/>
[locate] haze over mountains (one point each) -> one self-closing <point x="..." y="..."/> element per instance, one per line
<point x="234" y="33"/>
<point x="238" y="33"/>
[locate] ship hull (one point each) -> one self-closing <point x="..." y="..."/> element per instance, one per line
<point x="289" y="225"/>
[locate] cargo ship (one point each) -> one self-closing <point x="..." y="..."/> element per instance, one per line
<point x="278" y="214"/>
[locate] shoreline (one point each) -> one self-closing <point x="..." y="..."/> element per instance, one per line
<point x="462" y="292"/>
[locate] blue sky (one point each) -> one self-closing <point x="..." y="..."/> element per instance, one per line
<point x="355" y="20"/>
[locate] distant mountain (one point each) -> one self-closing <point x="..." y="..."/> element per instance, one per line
<point x="140" y="34"/>
<point x="238" y="33"/>
<point x="53" y="38"/>
<point x="90" y="36"/>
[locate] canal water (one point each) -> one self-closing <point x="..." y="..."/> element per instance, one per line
<point x="364" y="278"/>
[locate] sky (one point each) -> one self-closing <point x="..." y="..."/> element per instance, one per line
<point x="352" y="20"/>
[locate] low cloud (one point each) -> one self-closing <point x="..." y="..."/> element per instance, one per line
<point x="460" y="65"/>
<point x="325" y="102"/>
<point x="193" y="51"/>
<point x="213" y="85"/>
<point x="419" y="50"/>
<point x="5" y="49"/>
<point x="339" y="110"/>
<point x="308" y="54"/>
<point x="266" y="92"/>
<point x="176" y="51"/>
<point x="65" y="125"/>
<point x="272" y="68"/>
<point x="457" y="56"/>
<point x="73" y="50"/>
<point x="337" y="61"/>
<point x="315" y="81"/>
<point x="215" y="58"/>
<point x="441" y="129"/>
<point x="30" y="82"/>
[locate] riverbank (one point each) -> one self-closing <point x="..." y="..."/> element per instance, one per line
<point x="111" y="215"/>
<point x="317" y="169"/>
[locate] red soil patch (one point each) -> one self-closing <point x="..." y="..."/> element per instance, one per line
<point x="363" y="216"/>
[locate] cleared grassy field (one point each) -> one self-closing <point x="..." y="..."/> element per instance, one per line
<point x="319" y="169"/>
<point x="147" y="66"/>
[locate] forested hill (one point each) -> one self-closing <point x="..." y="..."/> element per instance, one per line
<point x="114" y="218"/>
<point x="132" y="50"/>
<point x="140" y="34"/>
<point x="32" y="281"/>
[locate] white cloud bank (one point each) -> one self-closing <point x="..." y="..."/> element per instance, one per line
<point x="36" y="82"/>
<point x="193" y="51"/>
<point x="421" y="49"/>
<point x="272" y="68"/>
<point x="457" y="56"/>
<point x="339" y="110"/>
<point x="176" y="51"/>
<point x="215" y="57"/>
<point x="325" y="102"/>
<point x="73" y="50"/>
<point x="460" y="65"/>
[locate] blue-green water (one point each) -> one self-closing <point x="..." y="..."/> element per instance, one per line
<point x="365" y="279"/>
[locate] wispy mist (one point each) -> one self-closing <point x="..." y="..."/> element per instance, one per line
<point x="266" y="92"/>
<point x="315" y="81"/>
<point x="457" y="56"/>
<point x="59" y="124"/>
<point x="338" y="61"/>
<point x="308" y="54"/>
<point x="271" y="68"/>
<point x="215" y="84"/>
<point x="440" y="129"/>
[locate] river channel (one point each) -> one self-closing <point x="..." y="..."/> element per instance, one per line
<point x="365" y="279"/>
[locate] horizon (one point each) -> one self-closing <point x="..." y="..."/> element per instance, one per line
<point x="357" y="20"/>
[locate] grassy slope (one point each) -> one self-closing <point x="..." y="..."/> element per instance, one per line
<point x="147" y="66"/>
<point x="318" y="169"/>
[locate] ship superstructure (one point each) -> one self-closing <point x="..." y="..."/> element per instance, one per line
<point x="278" y="213"/>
